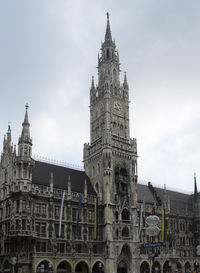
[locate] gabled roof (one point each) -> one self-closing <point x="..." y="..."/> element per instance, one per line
<point x="42" y="174"/>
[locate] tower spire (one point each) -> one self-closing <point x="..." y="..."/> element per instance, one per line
<point x="108" y="37"/>
<point x="26" y="125"/>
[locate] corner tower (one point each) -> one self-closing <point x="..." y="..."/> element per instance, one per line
<point x="110" y="159"/>
<point x="24" y="161"/>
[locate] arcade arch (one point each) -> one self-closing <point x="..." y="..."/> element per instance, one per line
<point x="44" y="266"/>
<point x="64" y="267"/>
<point x="98" y="267"/>
<point x="144" y="267"/>
<point x="82" y="267"/>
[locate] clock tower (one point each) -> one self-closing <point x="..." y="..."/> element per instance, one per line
<point x="110" y="159"/>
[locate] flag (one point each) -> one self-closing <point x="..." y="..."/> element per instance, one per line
<point x="61" y="212"/>
<point x="95" y="218"/>
<point x="79" y="213"/>
<point x="163" y="225"/>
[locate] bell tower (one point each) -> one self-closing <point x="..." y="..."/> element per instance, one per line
<point x="110" y="159"/>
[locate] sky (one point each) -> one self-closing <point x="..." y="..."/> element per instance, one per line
<point x="48" y="55"/>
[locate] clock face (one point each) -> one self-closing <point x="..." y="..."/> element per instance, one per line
<point x="117" y="106"/>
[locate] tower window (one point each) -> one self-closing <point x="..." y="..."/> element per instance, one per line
<point x="107" y="53"/>
<point x="25" y="150"/>
<point x="25" y="173"/>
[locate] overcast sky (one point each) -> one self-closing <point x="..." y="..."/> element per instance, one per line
<point x="48" y="54"/>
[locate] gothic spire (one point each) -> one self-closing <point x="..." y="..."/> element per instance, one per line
<point x="25" y="125"/>
<point x="195" y="184"/>
<point x="108" y="37"/>
<point x="92" y="84"/>
<point x="9" y="135"/>
<point x="125" y="80"/>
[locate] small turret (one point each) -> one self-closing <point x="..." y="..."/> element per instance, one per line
<point x="9" y="136"/>
<point x="25" y="141"/>
<point x="125" y="87"/>
<point x="24" y="161"/>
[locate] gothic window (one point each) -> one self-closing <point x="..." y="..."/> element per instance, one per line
<point x="37" y="208"/>
<point x="24" y="173"/>
<point x="93" y="170"/>
<point x="125" y="215"/>
<point x="23" y="224"/>
<point x="116" y="216"/>
<point x="114" y="128"/>
<point x="74" y="232"/>
<point x="7" y="210"/>
<point x="74" y="214"/>
<point x="21" y="151"/>
<point x="117" y="233"/>
<point x="56" y="227"/>
<point x="57" y="211"/>
<point x="114" y="75"/>
<point x="107" y="53"/>
<point x="43" y="229"/>
<point x="24" y="205"/>
<point x="43" y="209"/>
<point x="97" y="187"/>
<point x="25" y="150"/>
<point x="121" y="132"/>
<point x="125" y="232"/>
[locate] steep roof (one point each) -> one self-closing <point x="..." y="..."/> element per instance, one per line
<point x="179" y="202"/>
<point x="42" y="173"/>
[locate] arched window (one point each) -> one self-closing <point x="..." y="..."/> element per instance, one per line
<point x="125" y="215"/>
<point x="125" y="232"/>
<point x="25" y="150"/>
<point x="116" y="216"/>
<point x="107" y="53"/>
<point x="93" y="170"/>
<point x="114" y="128"/>
<point x="121" y="132"/>
<point x="97" y="187"/>
<point x="25" y="173"/>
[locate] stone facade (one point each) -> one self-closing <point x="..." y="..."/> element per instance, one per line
<point x="96" y="228"/>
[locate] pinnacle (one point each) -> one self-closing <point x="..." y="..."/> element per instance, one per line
<point x="108" y="37"/>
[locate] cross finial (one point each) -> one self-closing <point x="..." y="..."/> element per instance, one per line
<point x="107" y="15"/>
<point x="26" y="106"/>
